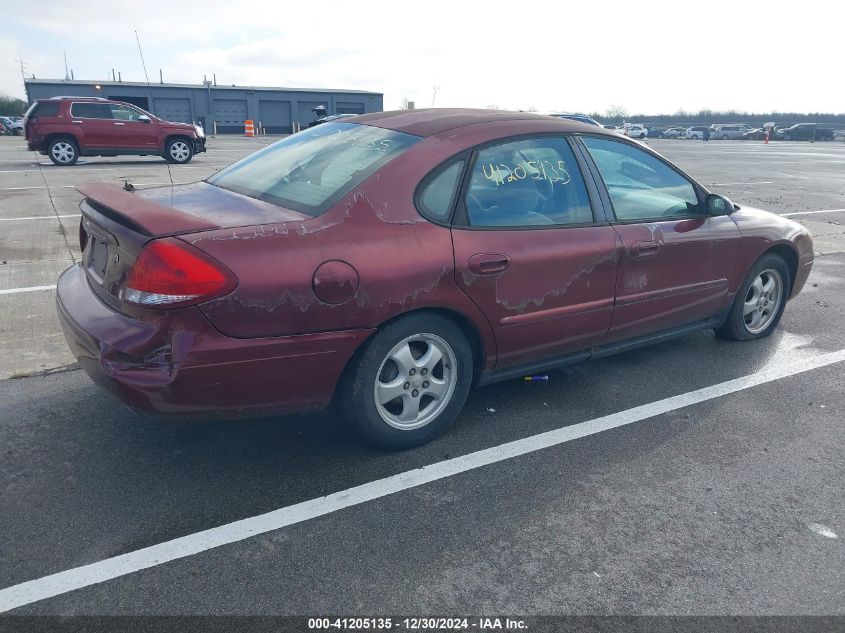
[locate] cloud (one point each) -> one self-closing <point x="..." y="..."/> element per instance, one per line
<point x="552" y="56"/>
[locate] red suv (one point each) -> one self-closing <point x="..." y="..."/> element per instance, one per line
<point x="65" y="128"/>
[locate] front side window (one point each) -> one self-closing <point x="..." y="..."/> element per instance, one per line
<point x="91" y="110"/>
<point x="531" y="182"/>
<point x="311" y="170"/>
<point x="123" y="113"/>
<point x="641" y="186"/>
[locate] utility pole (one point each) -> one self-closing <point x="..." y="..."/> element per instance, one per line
<point x="434" y="96"/>
<point x="67" y="75"/>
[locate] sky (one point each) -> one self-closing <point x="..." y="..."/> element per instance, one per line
<point x="645" y="57"/>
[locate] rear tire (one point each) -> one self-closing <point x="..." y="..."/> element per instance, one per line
<point x="63" y="151"/>
<point x="724" y="137"/>
<point x="179" y="151"/>
<point x="426" y="361"/>
<point x="758" y="306"/>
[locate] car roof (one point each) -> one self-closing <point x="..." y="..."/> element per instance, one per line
<point x="431" y="121"/>
<point x="66" y="98"/>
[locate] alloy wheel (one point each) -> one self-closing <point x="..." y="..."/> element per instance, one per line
<point x="63" y="152"/>
<point x="762" y="302"/>
<point x="180" y="151"/>
<point x="416" y="381"/>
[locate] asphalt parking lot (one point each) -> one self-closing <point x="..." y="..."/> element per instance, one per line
<point x="721" y="500"/>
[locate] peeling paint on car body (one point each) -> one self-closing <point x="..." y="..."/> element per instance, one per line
<point x="561" y="291"/>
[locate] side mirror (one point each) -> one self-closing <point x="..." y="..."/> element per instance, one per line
<point x="143" y="118"/>
<point x="718" y="205"/>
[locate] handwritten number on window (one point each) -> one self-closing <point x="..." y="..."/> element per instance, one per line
<point x="535" y="170"/>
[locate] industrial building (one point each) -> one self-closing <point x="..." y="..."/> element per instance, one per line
<point x="219" y="109"/>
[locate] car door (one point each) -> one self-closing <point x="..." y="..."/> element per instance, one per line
<point x="530" y="252"/>
<point x="131" y="131"/>
<point x="94" y="122"/>
<point x="677" y="259"/>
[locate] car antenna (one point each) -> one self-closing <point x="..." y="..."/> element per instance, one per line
<point x="152" y="102"/>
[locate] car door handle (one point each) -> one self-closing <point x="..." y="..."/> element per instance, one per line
<point x="489" y="263"/>
<point x="77" y="122"/>
<point x="119" y="123"/>
<point x="644" y="249"/>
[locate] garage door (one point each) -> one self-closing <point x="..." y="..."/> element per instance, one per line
<point x="230" y="115"/>
<point x="345" y="107"/>
<point x="275" y="116"/>
<point x="178" y="110"/>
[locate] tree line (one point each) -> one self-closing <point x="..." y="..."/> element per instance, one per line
<point x="617" y="114"/>
<point x="10" y="106"/>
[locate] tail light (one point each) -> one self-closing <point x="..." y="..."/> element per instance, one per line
<point x="83" y="235"/>
<point x="169" y="273"/>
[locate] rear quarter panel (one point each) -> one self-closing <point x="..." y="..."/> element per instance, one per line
<point x="403" y="262"/>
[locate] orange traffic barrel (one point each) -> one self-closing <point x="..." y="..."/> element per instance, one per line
<point x="249" y="128"/>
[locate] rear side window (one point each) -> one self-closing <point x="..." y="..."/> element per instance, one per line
<point x="91" y="110"/>
<point x="641" y="186"/>
<point x="438" y="195"/>
<point x="309" y="171"/>
<point x="531" y="182"/>
<point x="44" y="108"/>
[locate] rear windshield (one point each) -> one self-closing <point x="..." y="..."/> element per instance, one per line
<point x="310" y="171"/>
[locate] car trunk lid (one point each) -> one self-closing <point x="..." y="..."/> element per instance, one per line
<point x="117" y="223"/>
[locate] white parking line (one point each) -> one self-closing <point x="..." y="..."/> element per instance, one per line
<point x="138" y="185"/>
<point x="41" y="217"/>
<point x="38" y="187"/>
<point x="786" y="215"/>
<point x="14" y="291"/>
<point x="727" y="184"/>
<point x="110" y="568"/>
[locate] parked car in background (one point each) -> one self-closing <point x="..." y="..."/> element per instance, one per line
<point x="674" y="132"/>
<point x="807" y="132"/>
<point x="776" y="131"/>
<point x="583" y="118"/>
<point x="14" y="126"/>
<point x="65" y="128"/>
<point x="294" y="278"/>
<point x="730" y="131"/>
<point x="695" y="132"/>
<point x="636" y="130"/>
<point x="754" y="134"/>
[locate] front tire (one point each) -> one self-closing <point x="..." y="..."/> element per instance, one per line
<point x="409" y="383"/>
<point x="63" y="151"/>
<point x="179" y="151"/>
<point x="760" y="301"/>
<point x="724" y="137"/>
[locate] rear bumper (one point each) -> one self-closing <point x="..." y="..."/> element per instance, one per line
<point x="176" y="361"/>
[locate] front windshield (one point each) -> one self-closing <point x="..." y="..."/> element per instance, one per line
<point x="311" y="170"/>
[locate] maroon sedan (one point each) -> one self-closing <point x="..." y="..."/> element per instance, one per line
<point x="390" y="261"/>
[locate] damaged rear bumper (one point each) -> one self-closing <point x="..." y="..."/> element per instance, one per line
<point x="176" y="362"/>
